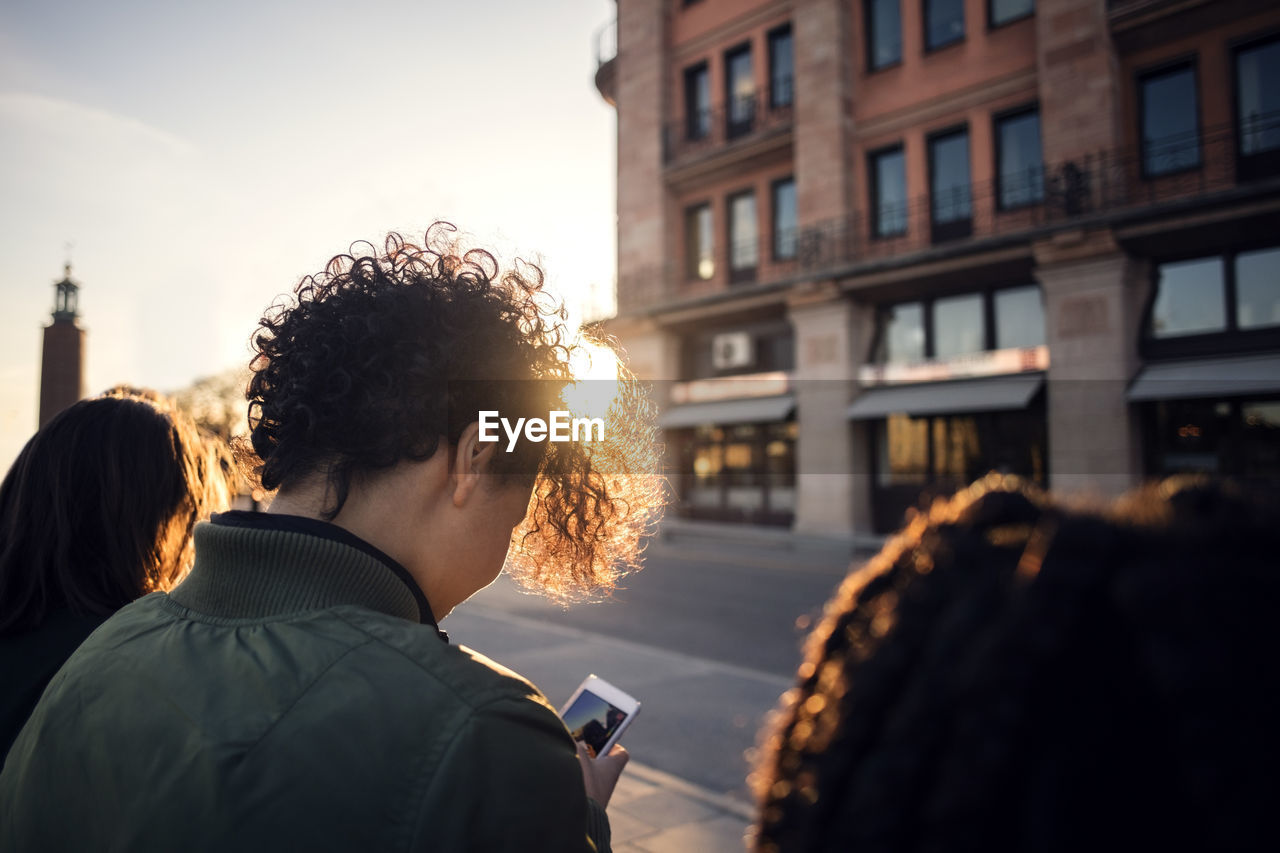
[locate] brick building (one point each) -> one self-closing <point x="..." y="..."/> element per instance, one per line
<point x="880" y="247"/>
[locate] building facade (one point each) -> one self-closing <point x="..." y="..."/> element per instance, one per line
<point x="869" y="250"/>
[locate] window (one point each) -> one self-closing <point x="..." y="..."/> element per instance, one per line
<point x="1001" y="12"/>
<point x="784" y="219"/>
<point x="781" y="68"/>
<point x="888" y="192"/>
<point x="699" y="245"/>
<point x="1170" y="123"/>
<point x="950" y="206"/>
<point x="902" y="333"/>
<point x="744" y="242"/>
<point x="1019" y="166"/>
<point x="740" y="91"/>
<point x="1190" y="299"/>
<point x="1258" y="289"/>
<point x="884" y="33"/>
<point x="959" y="326"/>
<point x="918" y="457"/>
<point x="943" y="23"/>
<point x="1258" y="108"/>
<point x="697" y="101"/>
<point x="951" y="326"/>
<point x="1019" y="315"/>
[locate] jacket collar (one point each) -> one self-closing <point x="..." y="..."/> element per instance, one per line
<point x="259" y="565"/>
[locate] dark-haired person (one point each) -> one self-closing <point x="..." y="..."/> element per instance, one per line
<point x="1013" y="674"/>
<point x="96" y="511"/>
<point x="295" y="692"/>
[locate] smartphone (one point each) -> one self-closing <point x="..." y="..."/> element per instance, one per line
<point x="597" y="714"/>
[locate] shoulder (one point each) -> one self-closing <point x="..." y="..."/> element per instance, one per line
<point x="418" y="654"/>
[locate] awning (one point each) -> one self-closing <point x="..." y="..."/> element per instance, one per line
<point x="995" y="394"/>
<point x="1208" y="377"/>
<point x="756" y="410"/>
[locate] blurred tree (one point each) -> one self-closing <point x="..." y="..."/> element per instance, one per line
<point x="217" y="403"/>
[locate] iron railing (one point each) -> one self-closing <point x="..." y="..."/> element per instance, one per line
<point x="1104" y="188"/>
<point x="744" y="117"/>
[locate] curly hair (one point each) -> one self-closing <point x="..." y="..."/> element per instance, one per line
<point x="385" y="355"/>
<point x="1010" y="674"/>
<point x="99" y="507"/>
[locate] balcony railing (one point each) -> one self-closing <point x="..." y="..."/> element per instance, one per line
<point x="1157" y="178"/>
<point x="1108" y="186"/>
<point x="702" y="131"/>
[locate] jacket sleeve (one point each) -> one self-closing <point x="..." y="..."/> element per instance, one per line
<point x="510" y="781"/>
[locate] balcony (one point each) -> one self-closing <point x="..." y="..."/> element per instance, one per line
<point x="1219" y="167"/>
<point x="703" y="133"/>
<point x="606" y="40"/>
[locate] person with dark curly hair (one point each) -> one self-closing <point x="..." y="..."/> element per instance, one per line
<point x="1012" y="674"/>
<point x="96" y="511"/>
<point x="295" y="691"/>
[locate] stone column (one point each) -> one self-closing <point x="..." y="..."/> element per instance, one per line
<point x="833" y="485"/>
<point x="823" y="130"/>
<point x="1094" y="296"/>
<point x="641" y="63"/>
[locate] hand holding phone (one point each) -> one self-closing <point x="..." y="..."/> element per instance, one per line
<point x="597" y="714"/>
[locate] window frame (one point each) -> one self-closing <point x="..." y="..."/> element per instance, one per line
<point x="924" y="20"/>
<point x="691" y="261"/>
<point x="1249" y="166"/>
<point x="868" y="41"/>
<point x="732" y="129"/>
<point x="771" y="39"/>
<point x="691" y="112"/>
<point x="741" y="275"/>
<point x="1189" y="62"/>
<point x="998" y="148"/>
<point x="1231" y="338"/>
<point x="993" y="24"/>
<point x="954" y="229"/>
<point x="989" y="338"/>
<point x="873" y="184"/>
<point x="773" y="222"/>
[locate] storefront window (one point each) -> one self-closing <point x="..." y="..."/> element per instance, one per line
<point x="958" y="327"/>
<point x="739" y="472"/>
<point x="1235" y="438"/>
<point x="1258" y="289"/>
<point x="920" y="457"/>
<point x="1191" y="299"/>
<point x="1019" y="317"/>
<point x="903" y="451"/>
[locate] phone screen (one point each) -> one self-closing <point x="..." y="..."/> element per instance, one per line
<point x="593" y="721"/>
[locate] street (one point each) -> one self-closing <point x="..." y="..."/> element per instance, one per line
<point x="707" y="637"/>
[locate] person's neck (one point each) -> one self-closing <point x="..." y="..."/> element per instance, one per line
<point x="378" y="514"/>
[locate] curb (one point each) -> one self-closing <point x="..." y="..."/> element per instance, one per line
<point x="718" y="801"/>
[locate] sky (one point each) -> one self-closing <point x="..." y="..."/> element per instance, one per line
<point x="194" y="161"/>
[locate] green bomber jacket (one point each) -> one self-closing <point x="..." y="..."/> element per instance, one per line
<point x="286" y="697"/>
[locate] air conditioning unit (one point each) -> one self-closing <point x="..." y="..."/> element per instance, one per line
<point x="731" y="350"/>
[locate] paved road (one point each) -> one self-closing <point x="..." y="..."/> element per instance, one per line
<point x="707" y="637"/>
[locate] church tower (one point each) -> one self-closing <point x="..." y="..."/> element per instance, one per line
<point x="62" y="366"/>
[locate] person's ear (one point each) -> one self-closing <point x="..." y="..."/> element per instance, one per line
<point x="472" y="457"/>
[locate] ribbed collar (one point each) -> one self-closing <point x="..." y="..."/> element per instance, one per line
<point x="257" y="565"/>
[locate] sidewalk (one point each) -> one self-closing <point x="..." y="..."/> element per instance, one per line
<point x="656" y="812"/>
<point x="684" y="790"/>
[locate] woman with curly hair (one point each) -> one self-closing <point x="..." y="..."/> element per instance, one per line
<point x="1013" y="674"/>
<point x="295" y="691"/>
<point x="96" y="511"/>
